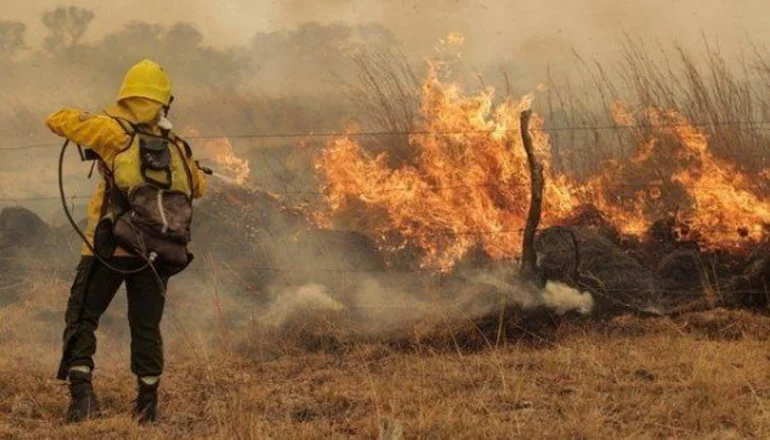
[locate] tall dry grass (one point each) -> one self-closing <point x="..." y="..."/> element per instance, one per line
<point x="725" y="94"/>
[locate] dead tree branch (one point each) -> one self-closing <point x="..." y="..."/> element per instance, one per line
<point x="528" y="256"/>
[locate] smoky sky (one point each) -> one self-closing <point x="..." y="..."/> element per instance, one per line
<point x="494" y="29"/>
<point x="523" y="34"/>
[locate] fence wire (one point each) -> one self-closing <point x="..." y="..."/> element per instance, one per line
<point x="287" y="192"/>
<point x="760" y="124"/>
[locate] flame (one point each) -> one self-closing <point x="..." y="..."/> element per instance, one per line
<point x="726" y="203"/>
<point x="621" y="115"/>
<point x="231" y="168"/>
<point x="235" y="169"/>
<point x="673" y="173"/>
<point x="467" y="187"/>
<point x="466" y="184"/>
<point x="454" y="39"/>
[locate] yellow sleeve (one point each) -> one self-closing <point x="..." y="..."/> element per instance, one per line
<point x="199" y="182"/>
<point x="100" y="133"/>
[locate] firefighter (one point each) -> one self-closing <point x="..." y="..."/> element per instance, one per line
<point x="135" y="147"/>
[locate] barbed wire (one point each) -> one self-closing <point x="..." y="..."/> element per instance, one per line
<point x="40" y="199"/>
<point x="578" y="189"/>
<point x="488" y="131"/>
<point x="595" y="188"/>
<point x="297" y="135"/>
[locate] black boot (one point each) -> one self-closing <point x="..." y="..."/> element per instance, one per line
<point x="146" y="403"/>
<point x="83" y="405"/>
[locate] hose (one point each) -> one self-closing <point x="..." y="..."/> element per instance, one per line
<point x="62" y="374"/>
<point x="83" y="235"/>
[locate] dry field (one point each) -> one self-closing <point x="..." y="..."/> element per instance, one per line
<point x="319" y="374"/>
<point x="700" y="375"/>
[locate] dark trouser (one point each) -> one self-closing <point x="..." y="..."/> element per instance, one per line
<point x="94" y="287"/>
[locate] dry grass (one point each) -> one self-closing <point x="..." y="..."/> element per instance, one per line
<point x="709" y="87"/>
<point x="696" y="376"/>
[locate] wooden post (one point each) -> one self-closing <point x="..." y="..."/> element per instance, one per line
<point x="528" y="268"/>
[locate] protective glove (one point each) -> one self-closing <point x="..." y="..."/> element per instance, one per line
<point x="53" y="123"/>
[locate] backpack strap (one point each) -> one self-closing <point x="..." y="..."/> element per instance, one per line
<point x="116" y="196"/>
<point x="187" y="149"/>
<point x="126" y="125"/>
<point x="132" y="130"/>
<point x="186" y="156"/>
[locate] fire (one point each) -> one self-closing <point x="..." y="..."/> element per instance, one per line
<point x="454" y="39"/>
<point x="466" y="185"/>
<point x="726" y="203"/>
<point x="230" y="167"/>
<point x="673" y="173"/>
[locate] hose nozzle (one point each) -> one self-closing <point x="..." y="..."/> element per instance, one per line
<point x="205" y="170"/>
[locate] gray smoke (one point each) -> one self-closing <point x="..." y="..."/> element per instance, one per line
<point x="381" y="305"/>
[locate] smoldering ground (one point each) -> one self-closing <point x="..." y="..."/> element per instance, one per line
<point x="258" y="279"/>
<point x="378" y="305"/>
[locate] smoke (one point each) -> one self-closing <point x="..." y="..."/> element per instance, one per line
<point x="387" y="304"/>
<point x="562" y="299"/>
<point x="494" y="27"/>
<point x="251" y="67"/>
<point x="305" y="299"/>
<point x="555" y="296"/>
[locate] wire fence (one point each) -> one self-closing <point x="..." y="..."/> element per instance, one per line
<point x="585" y="191"/>
<point x="658" y="188"/>
<point x="759" y="124"/>
<point x="341" y="273"/>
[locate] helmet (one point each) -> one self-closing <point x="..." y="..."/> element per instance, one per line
<point x="146" y="79"/>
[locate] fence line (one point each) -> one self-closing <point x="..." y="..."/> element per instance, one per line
<point x="40" y="199"/>
<point x="578" y="189"/>
<point x="596" y="188"/>
<point x="300" y="135"/>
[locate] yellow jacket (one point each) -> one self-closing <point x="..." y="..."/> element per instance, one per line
<point x="105" y="136"/>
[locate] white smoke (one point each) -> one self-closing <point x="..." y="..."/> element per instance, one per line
<point x="382" y="305"/>
<point x="307" y="298"/>
<point x="562" y="299"/>
<point x="555" y="296"/>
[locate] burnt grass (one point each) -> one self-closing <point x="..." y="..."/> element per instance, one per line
<point x="694" y="367"/>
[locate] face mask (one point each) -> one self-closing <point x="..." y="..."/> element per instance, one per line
<point x="163" y="122"/>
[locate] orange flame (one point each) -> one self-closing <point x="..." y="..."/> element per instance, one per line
<point x="232" y="168"/>
<point x="237" y="170"/>
<point x="726" y="203"/>
<point x="674" y="174"/>
<point x="466" y="185"/>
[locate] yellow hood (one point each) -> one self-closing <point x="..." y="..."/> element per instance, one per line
<point x="136" y="110"/>
<point x="146" y="79"/>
